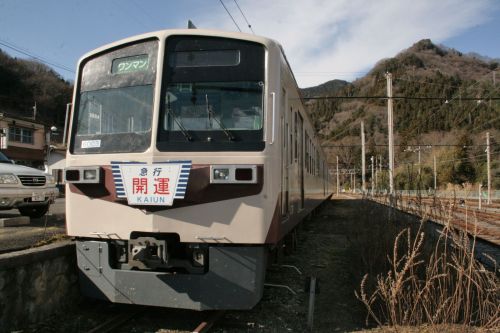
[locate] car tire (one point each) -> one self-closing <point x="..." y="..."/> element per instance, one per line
<point x="34" y="211"/>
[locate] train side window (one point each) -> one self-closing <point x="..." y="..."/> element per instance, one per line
<point x="307" y="151"/>
<point x="317" y="162"/>
<point x="291" y="137"/>
<point x="314" y="161"/>
<point x="310" y="156"/>
<point x="296" y="135"/>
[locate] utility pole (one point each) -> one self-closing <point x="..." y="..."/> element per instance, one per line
<point x="380" y="169"/>
<point x="337" y="176"/>
<point x="376" y="173"/>
<point x="372" y="176"/>
<point x="363" y="152"/>
<point x="488" y="164"/>
<point x="390" y="134"/>
<point x="479" y="196"/>
<point x="435" y="174"/>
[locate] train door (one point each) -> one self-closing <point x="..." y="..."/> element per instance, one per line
<point x="300" y="140"/>
<point x="285" y="128"/>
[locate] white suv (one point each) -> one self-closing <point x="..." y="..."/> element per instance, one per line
<point x="27" y="189"/>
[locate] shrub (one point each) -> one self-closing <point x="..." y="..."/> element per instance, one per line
<point x="449" y="287"/>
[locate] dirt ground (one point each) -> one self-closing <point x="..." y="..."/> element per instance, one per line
<point x="339" y="244"/>
<point x="323" y="251"/>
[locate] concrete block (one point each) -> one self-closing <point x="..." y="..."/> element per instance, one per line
<point x="14" y="221"/>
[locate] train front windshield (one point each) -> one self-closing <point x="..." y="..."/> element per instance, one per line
<point x="114" y="106"/>
<point x="212" y="97"/>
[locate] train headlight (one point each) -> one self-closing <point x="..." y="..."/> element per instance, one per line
<point x="84" y="175"/>
<point x="233" y="174"/>
<point x="90" y="174"/>
<point x="221" y="174"/>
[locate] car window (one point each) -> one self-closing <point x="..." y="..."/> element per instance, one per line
<point x="4" y="159"/>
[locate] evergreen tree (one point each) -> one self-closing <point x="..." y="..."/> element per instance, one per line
<point x="463" y="170"/>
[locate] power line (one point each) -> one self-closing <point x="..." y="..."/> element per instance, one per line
<point x="334" y="72"/>
<point x="401" y="97"/>
<point x="348" y="127"/>
<point x="446" y="100"/>
<point x="248" y="23"/>
<point x="439" y="162"/>
<point x="353" y="121"/>
<point x="454" y="160"/>
<point x="329" y="73"/>
<point x="469" y="111"/>
<point x="444" y="85"/>
<point x="470" y="86"/>
<point x="459" y="95"/>
<point x="231" y="16"/>
<point x="34" y="56"/>
<point x="486" y="123"/>
<point x="423" y="145"/>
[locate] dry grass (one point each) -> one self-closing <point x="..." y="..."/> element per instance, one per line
<point x="446" y="286"/>
<point x="51" y="239"/>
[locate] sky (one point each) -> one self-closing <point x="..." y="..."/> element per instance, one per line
<point x="323" y="39"/>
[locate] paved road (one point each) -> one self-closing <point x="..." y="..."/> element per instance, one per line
<point x="23" y="236"/>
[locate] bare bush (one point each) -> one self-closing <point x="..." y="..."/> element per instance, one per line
<point x="446" y="286"/>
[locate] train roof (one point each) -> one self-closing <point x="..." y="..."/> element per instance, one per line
<point x="268" y="42"/>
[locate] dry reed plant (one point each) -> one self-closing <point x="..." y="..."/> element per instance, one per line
<point x="446" y="286"/>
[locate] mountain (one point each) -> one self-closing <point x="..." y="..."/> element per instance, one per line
<point x="447" y="102"/>
<point x="324" y="89"/>
<point x="26" y="82"/>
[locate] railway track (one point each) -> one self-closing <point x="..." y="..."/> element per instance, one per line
<point x="484" y="223"/>
<point x="207" y="324"/>
<point x="483" y="226"/>
<point x="115" y="322"/>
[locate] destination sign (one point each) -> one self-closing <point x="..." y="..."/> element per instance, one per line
<point x="138" y="63"/>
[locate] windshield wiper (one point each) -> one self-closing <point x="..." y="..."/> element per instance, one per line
<point x="210" y="113"/>
<point x="174" y="117"/>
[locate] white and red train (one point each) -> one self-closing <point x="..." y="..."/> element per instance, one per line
<point x="191" y="156"/>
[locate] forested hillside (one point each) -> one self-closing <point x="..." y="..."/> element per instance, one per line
<point x="447" y="99"/>
<point x="325" y="89"/>
<point x="26" y="82"/>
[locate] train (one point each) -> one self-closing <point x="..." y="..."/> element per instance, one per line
<point x="190" y="159"/>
